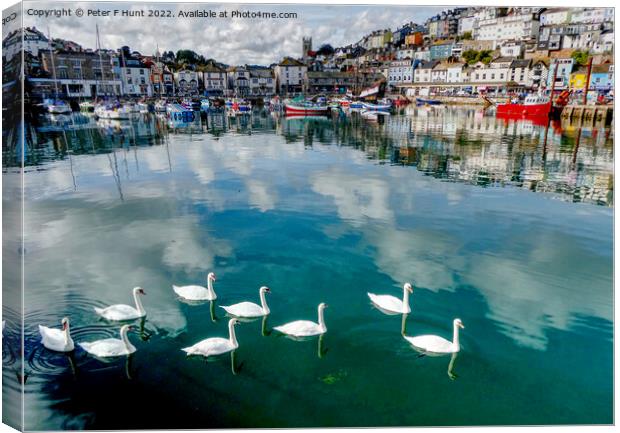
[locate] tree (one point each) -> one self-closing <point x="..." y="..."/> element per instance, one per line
<point x="466" y="36"/>
<point x="485" y="56"/>
<point x="470" y="56"/>
<point x="326" y="50"/>
<point x="580" y="57"/>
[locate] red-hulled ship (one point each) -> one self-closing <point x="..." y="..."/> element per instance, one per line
<point x="532" y="106"/>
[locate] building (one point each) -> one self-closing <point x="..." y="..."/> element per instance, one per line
<point x="593" y="16"/>
<point x="262" y="82"/>
<point x="415" y="39"/>
<point x="602" y="77"/>
<point x="133" y="73"/>
<point x="306" y="48"/>
<point x="214" y="80"/>
<point x="553" y="16"/>
<point x="422" y="73"/>
<point x="456" y="72"/>
<point x="509" y="27"/>
<point x="439" y="74"/>
<point x="577" y="80"/>
<point x="29" y="39"/>
<point x="561" y="68"/>
<point x="290" y="76"/>
<point x="512" y="49"/>
<point x="539" y="71"/>
<point x="519" y="72"/>
<point x="238" y="81"/>
<point x="187" y="82"/>
<point x="330" y="82"/>
<point x="400" y="72"/>
<point x="440" y="51"/>
<point x="82" y="74"/>
<point x="466" y="25"/>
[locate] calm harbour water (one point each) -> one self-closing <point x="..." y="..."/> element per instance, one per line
<point x="507" y="225"/>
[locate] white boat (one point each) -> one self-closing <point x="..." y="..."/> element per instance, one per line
<point x="57" y="106"/>
<point x="87" y="106"/>
<point x="160" y="106"/>
<point x="113" y="111"/>
<point x="377" y="107"/>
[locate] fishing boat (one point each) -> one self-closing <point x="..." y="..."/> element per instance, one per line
<point x="178" y="112"/>
<point x="306" y="108"/>
<point x="190" y="104"/>
<point x="356" y="105"/>
<point x="532" y="106"/>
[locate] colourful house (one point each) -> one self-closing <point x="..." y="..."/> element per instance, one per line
<point x="602" y="77"/>
<point x="577" y="80"/>
<point x="441" y="51"/>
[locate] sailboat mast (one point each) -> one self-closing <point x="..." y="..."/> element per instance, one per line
<point x="49" y="44"/>
<point x="100" y="62"/>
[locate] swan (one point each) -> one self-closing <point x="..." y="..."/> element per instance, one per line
<point x="215" y="345"/>
<point x="58" y="340"/>
<point x="392" y="304"/>
<point x="197" y="293"/>
<point x="109" y="347"/>
<point x="434" y="344"/>
<point x="305" y="328"/>
<point x="122" y="311"/>
<point x="250" y="309"/>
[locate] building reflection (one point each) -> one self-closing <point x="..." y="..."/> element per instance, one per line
<point x="456" y="144"/>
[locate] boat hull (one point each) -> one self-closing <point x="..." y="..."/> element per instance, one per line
<point x="377" y="107"/>
<point x="305" y="111"/>
<point x="534" y="110"/>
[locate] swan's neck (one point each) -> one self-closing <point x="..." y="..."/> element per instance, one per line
<point x="322" y="321"/>
<point x="406" y="301"/>
<point x="139" y="307"/>
<point x="233" y="337"/>
<point x="455" y="339"/>
<point x="210" y="288"/>
<point x="67" y="334"/>
<point x="263" y="302"/>
<point x="126" y="341"/>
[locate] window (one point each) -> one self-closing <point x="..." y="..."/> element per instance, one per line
<point x="141" y="71"/>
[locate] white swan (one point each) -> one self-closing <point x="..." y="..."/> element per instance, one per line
<point x="122" y="311"/>
<point x="197" y="293"/>
<point x="215" y="345"/>
<point x="250" y="309"/>
<point x="391" y="304"/>
<point x="58" y="340"/>
<point x="434" y="344"/>
<point x="109" y="347"/>
<point x="305" y="328"/>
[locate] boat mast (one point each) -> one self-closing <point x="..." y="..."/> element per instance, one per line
<point x="98" y="44"/>
<point x="49" y="44"/>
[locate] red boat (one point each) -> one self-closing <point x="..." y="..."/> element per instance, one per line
<point x="532" y="106"/>
<point x="305" y="109"/>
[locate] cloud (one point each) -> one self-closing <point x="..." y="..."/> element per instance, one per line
<point x="229" y="40"/>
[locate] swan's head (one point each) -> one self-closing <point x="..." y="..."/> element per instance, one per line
<point x="211" y="276"/>
<point x="322" y="306"/>
<point x="234" y="322"/>
<point x="65" y="323"/>
<point x="265" y="289"/>
<point x="125" y="329"/>
<point x="139" y="291"/>
<point x="457" y="322"/>
<point x="408" y="287"/>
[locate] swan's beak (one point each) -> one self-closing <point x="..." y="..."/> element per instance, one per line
<point x="462" y="326"/>
<point x="64" y="326"/>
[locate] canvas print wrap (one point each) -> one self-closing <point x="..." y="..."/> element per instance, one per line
<point x="226" y="215"/>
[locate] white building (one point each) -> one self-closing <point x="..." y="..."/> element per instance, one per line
<point x="290" y="76"/>
<point x="423" y="54"/>
<point x="422" y="74"/>
<point x="400" y="72"/>
<point x="405" y="53"/>
<point x="519" y="72"/>
<point x="439" y="74"/>
<point x="510" y="27"/>
<point x="214" y="80"/>
<point x="262" y="82"/>
<point x="555" y="16"/>
<point x="593" y="15"/>
<point x="136" y="81"/>
<point x="511" y="49"/>
<point x="455" y="73"/>
<point x="187" y="83"/>
<point x="33" y="42"/>
<point x="466" y="24"/>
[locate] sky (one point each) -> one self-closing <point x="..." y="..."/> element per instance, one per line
<point x="228" y="40"/>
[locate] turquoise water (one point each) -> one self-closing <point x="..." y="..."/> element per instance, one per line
<point x="507" y="226"/>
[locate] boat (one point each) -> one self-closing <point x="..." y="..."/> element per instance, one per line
<point x="356" y="105"/>
<point x="424" y="101"/>
<point x="87" y="106"/>
<point x="57" y="106"/>
<point x="384" y="107"/>
<point x="160" y="106"/>
<point x="113" y="110"/>
<point x="204" y="105"/>
<point x="178" y="112"/>
<point x="305" y="108"/>
<point x="143" y="107"/>
<point x="190" y="104"/>
<point x="532" y="106"/>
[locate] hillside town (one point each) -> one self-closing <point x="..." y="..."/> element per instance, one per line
<point x="461" y="53"/>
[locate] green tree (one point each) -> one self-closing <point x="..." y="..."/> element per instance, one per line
<point x="484" y="56"/>
<point x="580" y="57"/>
<point x="470" y="56"/>
<point x="466" y="36"/>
